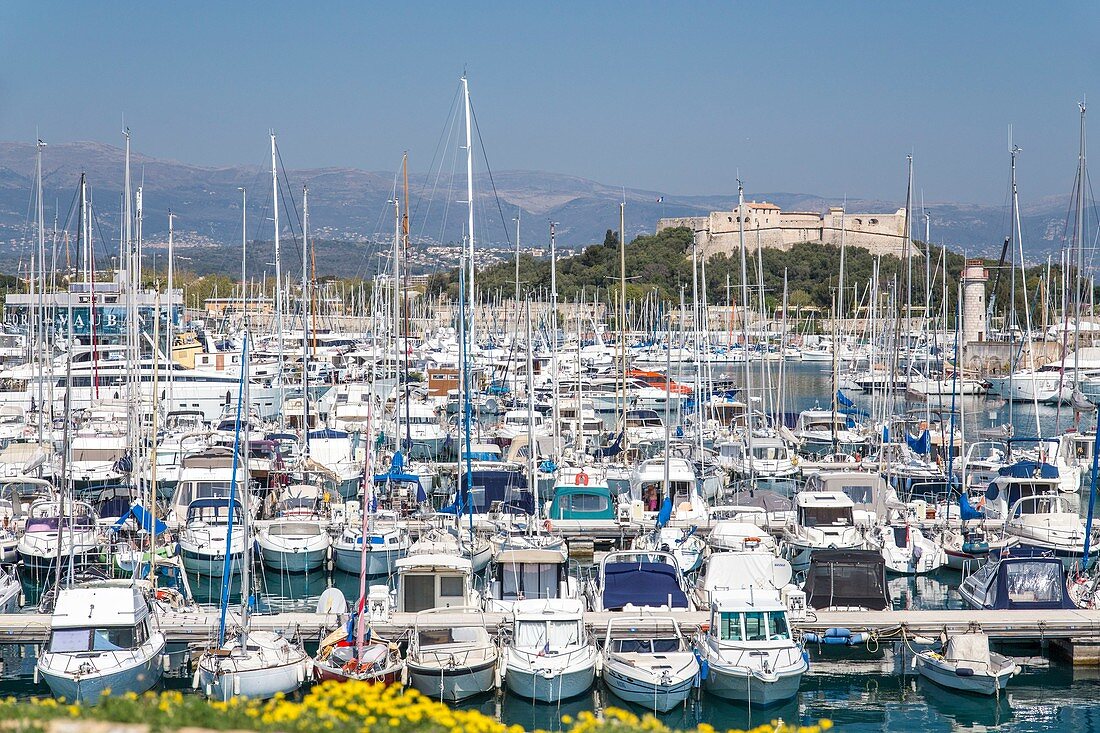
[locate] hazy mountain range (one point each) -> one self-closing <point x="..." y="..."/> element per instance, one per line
<point x="355" y="205"/>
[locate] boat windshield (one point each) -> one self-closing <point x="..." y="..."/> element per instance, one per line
<point x="827" y="516"/>
<point x="645" y="646"/>
<point x="529" y="580"/>
<point x="103" y="639"/>
<point x="753" y="626"/>
<point x="769" y="453"/>
<point x="550" y="636"/>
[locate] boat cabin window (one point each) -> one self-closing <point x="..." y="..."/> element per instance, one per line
<point x="769" y="453"/>
<point x="97" y="454"/>
<point x="753" y="626"/>
<point x="529" y="580"/>
<point x="103" y="639"/>
<point x="451" y="587"/>
<point x="1034" y="582"/>
<point x="645" y="646"/>
<point x="859" y="494"/>
<point x="587" y="503"/>
<point x="549" y="635"/>
<point x="191" y="490"/>
<point x="826" y="516"/>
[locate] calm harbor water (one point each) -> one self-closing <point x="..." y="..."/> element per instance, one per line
<point x="859" y="690"/>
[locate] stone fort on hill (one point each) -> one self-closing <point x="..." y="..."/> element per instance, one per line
<point x="767" y="226"/>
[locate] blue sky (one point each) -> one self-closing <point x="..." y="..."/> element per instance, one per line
<point x="821" y="98"/>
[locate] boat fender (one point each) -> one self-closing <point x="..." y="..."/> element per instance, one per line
<point x="236" y="685"/>
<point x="704" y="667"/>
<point x="923" y="640"/>
<point x="858" y="639"/>
<point x="838" y="635"/>
<point x="975" y="548"/>
<point x="964" y="671"/>
<point x="36" y="674"/>
<point x="166" y="663"/>
<point x="806" y="659"/>
<point x="813" y="638"/>
<point x="300" y="673"/>
<point x="195" y="680"/>
<point x="599" y="666"/>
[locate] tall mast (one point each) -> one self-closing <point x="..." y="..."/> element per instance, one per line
<point x="278" y="266"/>
<point x="244" y="247"/>
<point x="745" y="319"/>
<point x="404" y="302"/>
<point x="40" y="352"/>
<point x="554" y="339"/>
<point x="470" y="207"/>
<point x="622" y="314"/>
<point x="396" y="274"/>
<point x="305" y="322"/>
<point x="1079" y="226"/>
<point x="170" y="338"/>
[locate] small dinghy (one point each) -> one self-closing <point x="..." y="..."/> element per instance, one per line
<point x="967" y="665"/>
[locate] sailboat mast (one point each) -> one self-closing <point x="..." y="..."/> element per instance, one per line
<point x="278" y="266"/>
<point x="39" y="318"/>
<point x="745" y="321"/>
<point x="305" y="322"/>
<point x="1079" y="226"/>
<point x="170" y="339"/>
<point x="553" y="341"/>
<point x="469" y="204"/>
<point x="396" y="274"/>
<point x="622" y="316"/>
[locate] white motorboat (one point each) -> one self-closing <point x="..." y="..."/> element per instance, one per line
<point x="907" y="551"/>
<point x="297" y="540"/>
<point x="293" y="545"/>
<point x="208" y="533"/>
<point x="529" y="567"/>
<point x="635" y="579"/>
<point x="647" y="661"/>
<point x="550" y="657"/>
<point x="823" y="520"/>
<point x="386" y="543"/>
<point x="736" y="570"/>
<point x="686" y="546"/>
<point x="749" y="651"/>
<point x="103" y="637"/>
<point x="449" y="660"/>
<point x="967" y="665"/>
<point x="46" y="529"/>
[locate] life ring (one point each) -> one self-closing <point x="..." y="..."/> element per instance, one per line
<point x="163" y="594"/>
<point x="581" y="479"/>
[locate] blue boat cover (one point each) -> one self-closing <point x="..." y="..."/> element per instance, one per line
<point x="1029" y="469"/>
<point x="966" y="510"/>
<point x="614" y="449"/>
<point x="327" y="433"/>
<point x="920" y="444"/>
<point x="642" y="584"/>
<point x="143" y="519"/>
<point x="666" y="512"/>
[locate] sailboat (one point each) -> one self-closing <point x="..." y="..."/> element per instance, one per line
<point x="350" y="653"/>
<point x="252" y="664"/>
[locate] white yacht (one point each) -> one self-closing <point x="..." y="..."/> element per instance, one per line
<point x="550" y="657"/>
<point x="748" y="648"/>
<point x="823" y="520"/>
<point x="211" y="524"/>
<point x="104" y="637"/>
<point x="449" y="659"/>
<point x="648" y="662"/>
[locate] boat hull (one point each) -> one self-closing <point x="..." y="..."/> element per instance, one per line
<point x="742" y="685"/>
<point x="945" y="676"/>
<point x="136" y="678"/>
<point x="659" y="697"/>
<point x="453" y="685"/>
<point x="548" y="685"/>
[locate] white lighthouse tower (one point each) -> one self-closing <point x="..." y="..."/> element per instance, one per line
<point x="974" y="277"/>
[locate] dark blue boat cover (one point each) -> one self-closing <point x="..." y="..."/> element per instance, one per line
<point x="642" y="584"/>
